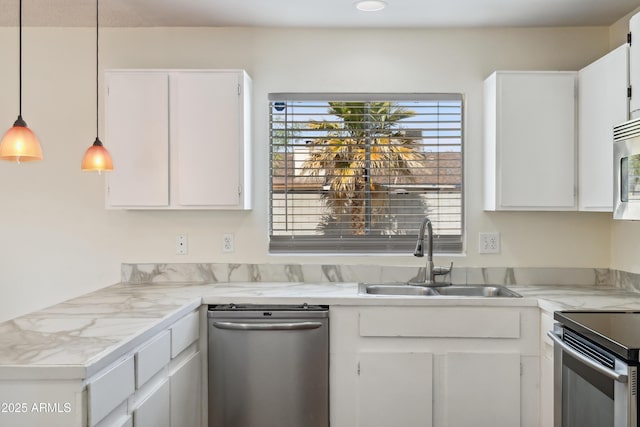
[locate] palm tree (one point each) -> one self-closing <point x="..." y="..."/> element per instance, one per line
<point x="355" y="154"/>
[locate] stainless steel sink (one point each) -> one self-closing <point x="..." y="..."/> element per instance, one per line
<point x="404" y="289"/>
<point x="397" y="289"/>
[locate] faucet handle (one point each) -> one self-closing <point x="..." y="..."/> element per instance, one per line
<point x="441" y="271"/>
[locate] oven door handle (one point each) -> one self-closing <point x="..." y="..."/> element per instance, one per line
<point x="610" y="373"/>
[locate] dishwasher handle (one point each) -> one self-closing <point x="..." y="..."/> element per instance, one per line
<point x="288" y="326"/>
<point x="610" y="373"/>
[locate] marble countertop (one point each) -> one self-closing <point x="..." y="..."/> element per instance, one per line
<point x="77" y="338"/>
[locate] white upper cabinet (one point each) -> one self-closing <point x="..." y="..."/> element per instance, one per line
<point x="602" y="104"/>
<point x="530" y="141"/>
<point x="179" y="139"/>
<point x="137" y="119"/>
<point x="634" y="66"/>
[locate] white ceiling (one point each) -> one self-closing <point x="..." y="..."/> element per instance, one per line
<point x="317" y="13"/>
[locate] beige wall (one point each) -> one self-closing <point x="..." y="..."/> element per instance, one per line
<point x="618" y="31"/>
<point x="58" y="241"/>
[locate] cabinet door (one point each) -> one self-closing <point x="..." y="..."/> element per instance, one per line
<point x="154" y="411"/>
<point x="206" y="124"/>
<point x="137" y="136"/>
<point x="186" y="396"/>
<point x="602" y="104"/>
<point x="395" y="389"/>
<point x="530" y="141"/>
<point x="482" y="389"/>
<point x="634" y="66"/>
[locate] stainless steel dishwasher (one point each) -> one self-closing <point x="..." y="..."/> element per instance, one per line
<point x="268" y="365"/>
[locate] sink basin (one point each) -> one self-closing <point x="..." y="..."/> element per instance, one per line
<point x="397" y="289"/>
<point x="478" y="291"/>
<point x="404" y="289"/>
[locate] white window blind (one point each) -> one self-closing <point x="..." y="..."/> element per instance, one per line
<point x="357" y="173"/>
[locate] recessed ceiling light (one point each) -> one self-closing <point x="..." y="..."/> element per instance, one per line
<point x="370" y="5"/>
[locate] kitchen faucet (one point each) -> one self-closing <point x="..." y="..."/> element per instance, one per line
<point x="427" y="277"/>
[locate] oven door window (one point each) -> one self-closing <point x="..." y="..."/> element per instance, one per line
<point x="630" y="178"/>
<point x="587" y="396"/>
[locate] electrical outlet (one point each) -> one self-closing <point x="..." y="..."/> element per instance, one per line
<point x="489" y="243"/>
<point x="228" y="245"/>
<point x="182" y="244"/>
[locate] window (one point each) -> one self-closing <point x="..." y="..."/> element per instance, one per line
<point x="357" y="173"/>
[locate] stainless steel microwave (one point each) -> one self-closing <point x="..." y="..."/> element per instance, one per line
<point x="626" y="170"/>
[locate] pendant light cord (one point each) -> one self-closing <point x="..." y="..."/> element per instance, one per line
<point x="97" y="73"/>
<point x="20" y="63"/>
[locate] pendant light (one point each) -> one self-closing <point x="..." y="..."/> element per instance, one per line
<point x="20" y="144"/>
<point x="97" y="158"/>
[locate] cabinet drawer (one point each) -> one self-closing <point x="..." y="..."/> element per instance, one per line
<point x="184" y="332"/>
<point x="440" y="323"/>
<point x="152" y="357"/>
<point x="109" y="390"/>
<point x="154" y="410"/>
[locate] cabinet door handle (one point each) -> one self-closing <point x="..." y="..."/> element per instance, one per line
<point x="294" y="326"/>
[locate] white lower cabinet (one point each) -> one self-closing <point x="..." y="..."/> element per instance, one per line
<point x="482" y="389"/>
<point x="395" y="389"/>
<point x="159" y="385"/>
<point x="22" y="400"/>
<point x="156" y="384"/>
<point x="154" y="410"/>
<point x="186" y="383"/>
<point x="434" y="366"/>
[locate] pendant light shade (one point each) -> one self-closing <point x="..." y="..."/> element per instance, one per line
<point x="20" y="144"/>
<point x="97" y="158"/>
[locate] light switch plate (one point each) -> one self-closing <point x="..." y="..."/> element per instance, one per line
<point x="182" y="244"/>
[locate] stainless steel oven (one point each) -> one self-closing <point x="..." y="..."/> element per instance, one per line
<point x="626" y="170"/>
<point x="595" y="368"/>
